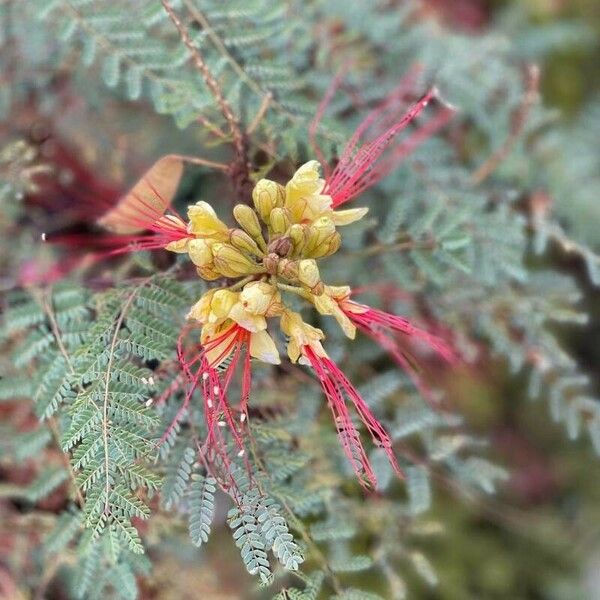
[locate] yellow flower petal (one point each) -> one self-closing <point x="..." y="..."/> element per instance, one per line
<point x="179" y="246"/>
<point x="263" y="348"/>
<point x="222" y="301"/>
<point x="301" y="334"/>
<point x="328" y="306"/>
<point x="261" y="298"/>
<point x="345" y="217"/>
<point x="247" y="320"/>
<point x="201" y="310"/>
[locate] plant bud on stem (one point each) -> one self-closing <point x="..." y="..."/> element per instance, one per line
<point x="281" y="246"/>
<point x="288" y="269"/>
<point x="231" y="262"/>
<point x="266" y="196"/>
<point x="271" y="262"/>
<point x="241" y="240"/>
<point x="249" y="222"/>
<point x="309" y="276"/>
<point x="297" y="233"/>
<point x="279" y="221"/>
<point x="322" y="238"/>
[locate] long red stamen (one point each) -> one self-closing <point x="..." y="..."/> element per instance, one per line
<point x="336" y="385"/>
<point x="357" y="169"/>
<point x="226" y="433"/>
<point x="378" y="318"/>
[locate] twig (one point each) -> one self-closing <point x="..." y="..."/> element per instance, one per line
<point x="240" y="169"/>
<point x="518" y="124"/>
<point x="108" y="45"/>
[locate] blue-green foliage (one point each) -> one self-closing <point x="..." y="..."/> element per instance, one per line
<point x="456" y="249"/>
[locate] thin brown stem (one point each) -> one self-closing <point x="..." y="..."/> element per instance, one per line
<point x="240" y="168"/>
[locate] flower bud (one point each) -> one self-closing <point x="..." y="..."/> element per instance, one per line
<point x="270" y="263"/>
<point x="281" y="246"/>
<point x="308" y="275"/>
<point x="261" y="298"/>
<point x="204" y="221"/>
<point x="231" y="262"/>
<point x="200" y="252"/>
<point x="288" y="269"/>
<point x="279" y="221"/>
<point x="266" y="195"/>
<point x="242" y="241"/>
<point x="297" y="234"/>
<point x="248" y="220"/>
<point x="303" y="197"/>
<point x="208" y="272"/>
<point x="321" y="238"/>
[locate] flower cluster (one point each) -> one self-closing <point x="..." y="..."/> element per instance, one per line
<point x="273" y="253"/>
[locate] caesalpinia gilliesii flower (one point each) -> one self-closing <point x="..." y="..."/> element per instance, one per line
<point x="273" y="253"/>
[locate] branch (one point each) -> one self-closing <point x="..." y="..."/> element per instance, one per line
<point x="240" y="168"/>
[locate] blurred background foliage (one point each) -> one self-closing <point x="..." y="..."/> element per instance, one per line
<point x="539" y="537"/>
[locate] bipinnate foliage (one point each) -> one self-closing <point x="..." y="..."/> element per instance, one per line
<point x="447" y="231"/>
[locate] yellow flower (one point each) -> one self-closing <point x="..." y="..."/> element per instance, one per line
<point x="247" y="320"/>
<point x="178" y="246"/>
<point x="204" y="220"/>
<point x="303" y="197"/>
<point x="201" y="310"/>
<point x="301" y="334"/>
<point x="214" y="306"/>
<point x="221" y="304"/>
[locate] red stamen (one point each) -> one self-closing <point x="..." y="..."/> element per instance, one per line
<point x="362" y="164"/>
<point x="335" y="385"/>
